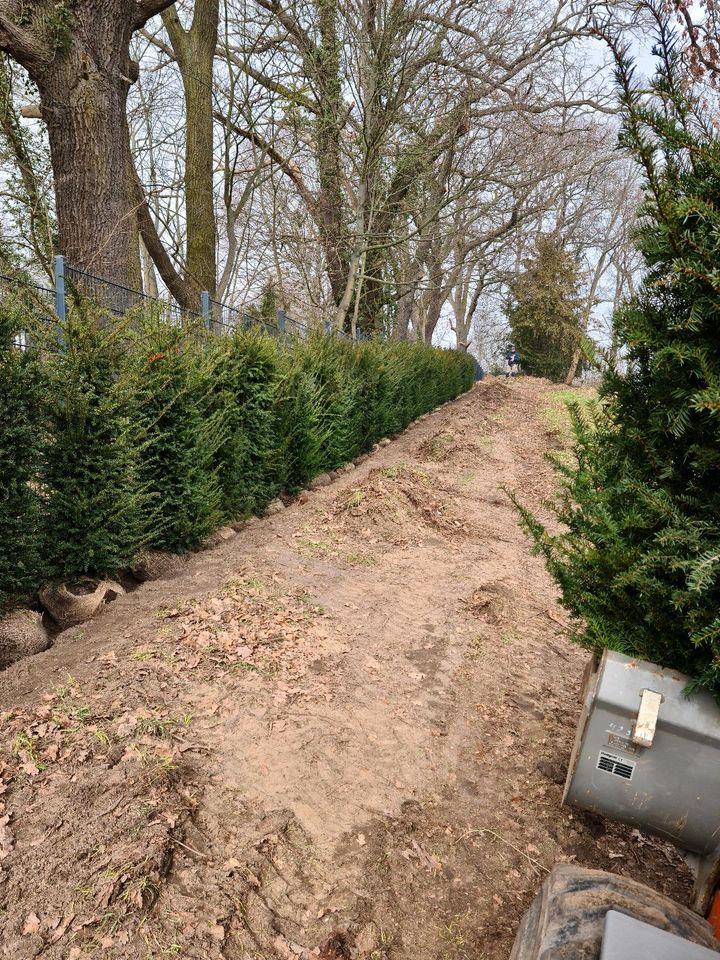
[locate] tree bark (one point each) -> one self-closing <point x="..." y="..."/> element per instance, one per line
<point x="83" y="71"/>
<point x="195" y="53"/>
<point x="85" y="111"/>
<point x="328" y="150"/>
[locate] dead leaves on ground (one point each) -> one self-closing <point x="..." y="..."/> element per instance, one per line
<point x="252" y="626"/>
<point x="390" y="502"/>
<point x="443" y="446"/>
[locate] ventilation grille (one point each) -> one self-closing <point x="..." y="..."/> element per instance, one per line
<point x="616" y="765"/>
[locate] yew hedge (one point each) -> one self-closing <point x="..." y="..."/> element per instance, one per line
<point x="141" y="433"/>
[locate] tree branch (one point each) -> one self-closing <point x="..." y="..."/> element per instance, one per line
<point x="177" y="33"/>
<point x="290" y="169"/>
<point x="19" y="43"/>
<point x="185" y="294"/>
<point x="145" y="9"/>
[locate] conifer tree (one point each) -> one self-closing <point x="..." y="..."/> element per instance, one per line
<point x="545" y="311"/>
<point x="640" y="560"/>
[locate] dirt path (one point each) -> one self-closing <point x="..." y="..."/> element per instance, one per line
<point x="340" y="734"/>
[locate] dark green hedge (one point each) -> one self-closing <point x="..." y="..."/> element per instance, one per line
<point x="144" y="433"/>
<point x="94" y="507"/>
<point x="21" y="441"/>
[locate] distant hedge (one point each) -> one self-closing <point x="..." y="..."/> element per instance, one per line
<point x="142" y="433"/>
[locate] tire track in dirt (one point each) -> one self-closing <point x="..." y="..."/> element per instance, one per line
<point x="340" y="734"/>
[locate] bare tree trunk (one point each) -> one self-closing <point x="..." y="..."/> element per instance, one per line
<point x="83" y="72"/>
<point x="577" y="353"/>
<point x="36" y="202"/>
<point x="195" y="53"/>
<point x="405" y="305"/>
<point x="150" y="287"/>
<point x="328" y="149"/>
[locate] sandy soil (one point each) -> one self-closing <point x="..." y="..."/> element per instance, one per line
<point x="340" y="734"/>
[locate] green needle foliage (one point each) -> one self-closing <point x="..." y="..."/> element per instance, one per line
<point x="22" y="386"/>
<point x="140" y="432"/>
<point x="545" y="311"/>
<point x="640" y="561"/>
<point x="242" y="394"/>
<point x="180" y="431"/>
<point x="301" y="435"/>
<point x="93" y="502"/>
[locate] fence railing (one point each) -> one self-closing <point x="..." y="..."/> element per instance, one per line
<point x="222" y="318"/>
<point x="114" y="297"/>
<point x="39" y="299"/>
<point x="51" y="304"/>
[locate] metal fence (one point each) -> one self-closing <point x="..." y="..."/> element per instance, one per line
<point x="51" y="305"/>
<point x="222" y="318"/>
<point x="35" y="297"/>
<point x="108" y="295"/>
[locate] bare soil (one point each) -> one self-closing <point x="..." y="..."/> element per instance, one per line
<point x="341" y="734"/>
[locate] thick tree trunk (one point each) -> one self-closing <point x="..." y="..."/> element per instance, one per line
<point x="436" y="297"/>
<point x="85" y="113"/>
<point x="572" y="371"/>
<point x="330" y="206"/>
<point x="78" y="54"/>
<point x="405" y="305"/>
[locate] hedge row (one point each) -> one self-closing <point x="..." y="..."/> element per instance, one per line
<point x="146" y="434"/>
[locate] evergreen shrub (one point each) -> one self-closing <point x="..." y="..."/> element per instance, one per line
<point x="181" y="430"/>
<point x="142" y="432"/>
<point x="22" y="433"/>
<point x="93" y="501"/>
<point x="299" y="422"/>
<point x="242" y="393"/>
<point x="639" y="562"/>
<point x="546" y="311"/>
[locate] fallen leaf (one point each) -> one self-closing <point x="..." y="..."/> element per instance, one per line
<point x="62" y="929"/>
<point x="7" y="841"/>
<point x="31" y="925"/>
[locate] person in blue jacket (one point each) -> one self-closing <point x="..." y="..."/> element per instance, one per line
<point x="512" y="359"/>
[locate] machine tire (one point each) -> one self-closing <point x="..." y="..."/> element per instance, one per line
<point x="566" y="919"/>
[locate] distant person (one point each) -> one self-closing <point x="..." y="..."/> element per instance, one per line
<point x="512" y="360"/>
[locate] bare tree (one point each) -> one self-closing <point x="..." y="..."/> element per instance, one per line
<point x="25" y="190"/>
<point x="194" y="48"/>
<point x="78" y="55"/>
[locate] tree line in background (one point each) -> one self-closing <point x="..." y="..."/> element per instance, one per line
<point x="379" y="164"/>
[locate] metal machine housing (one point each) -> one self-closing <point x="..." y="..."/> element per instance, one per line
<point x="671" y="788"/>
